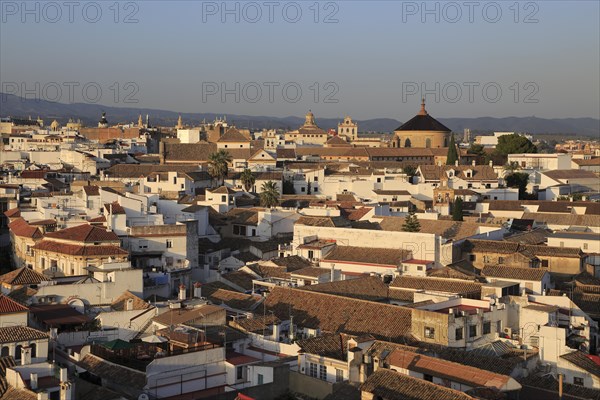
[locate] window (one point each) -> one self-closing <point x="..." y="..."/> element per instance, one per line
<point x="472" y="257"/>
<point x="143" y="244"/>
<point x="339" y="375"/>
<point x="223" y="199"/>
<point x="487" y="328"/>
<point x="311" y="254"/>
<point x="545" y="263"/>
<point x="428" y="377"/>
<point x="239" y="373"/>
<point x="316" y="179"/>
<point x="458" y="333"/>
<point x="4" y="352"/>
<point x="260" y="379"/>
<point x="312" y="371"/>
<point x="419" y="268"/>
<point x="303" y="189"/>
<point x="500" y="260"/>
<point x="429" y="332"/>
<point x="169" y="243"/>
<point x="585" y="246"/>
<point x="18" y="352"/>
<point x="577" y="381"/>
<point x="472" y="331"/>
<point x="486" y="259"/>
<point x="323" y="372"/>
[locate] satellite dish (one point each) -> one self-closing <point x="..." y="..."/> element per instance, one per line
<point x="143" y="396"/>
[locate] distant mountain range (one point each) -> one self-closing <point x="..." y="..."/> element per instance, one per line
<point x="11" y="105"/>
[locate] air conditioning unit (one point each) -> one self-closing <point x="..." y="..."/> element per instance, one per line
<point x="508" y="331"/>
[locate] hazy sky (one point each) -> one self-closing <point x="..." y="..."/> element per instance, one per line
<point x="374" y="58"/>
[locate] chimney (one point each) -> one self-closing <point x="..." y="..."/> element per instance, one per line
<point x="42" y="396"/>
<point x="473" y="163"/>
<point x="560" y="386"/>
<point x="491" y="163"/>
<point x="182" y="292"/>
<point x="66" y="391"/>
<point x="276" y="331"/>
<point x="25" y="355"/>
<point x="64" y="375"/>
<point x="197" y="290"/>
<point x="161" y="152"/>
<point x="332" y="272"/>
<point x="33" y="381"/>
<point x="456" y="163"/>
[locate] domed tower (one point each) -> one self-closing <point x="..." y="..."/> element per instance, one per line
<point x="54" y="126"/>
<point x="422" y="131"/>
<point x="309" y="119"/>
<point x="179" y="123"/>
<point x="103" y="123"/>
<point x="140" y="123"/>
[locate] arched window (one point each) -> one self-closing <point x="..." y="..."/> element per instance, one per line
<point x="4" y="352"/>
<point x="407" y="142"/>
<point x="18" y="352"/>
<point x="33" y="348"/>
<point x="428" y="143"/>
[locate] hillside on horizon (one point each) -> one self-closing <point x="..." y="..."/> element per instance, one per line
<point x="11" y="105"/>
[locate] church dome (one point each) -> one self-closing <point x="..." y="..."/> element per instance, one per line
<point x="423" y="122"/>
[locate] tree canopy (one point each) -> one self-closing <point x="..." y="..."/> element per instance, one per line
<point x="218" y="164"/>
<point x="411" y="223"/>
<point x="269" y="196"/>
<point x="514" y="144"/>
<point x="248" y="179"/>
<point x="518" y="180"/>
<point x="452" y="156"/>
<point x="457" y="210"/>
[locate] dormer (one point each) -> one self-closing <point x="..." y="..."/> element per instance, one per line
<point x="451" y="173"/>
<point x="469" y="173"/>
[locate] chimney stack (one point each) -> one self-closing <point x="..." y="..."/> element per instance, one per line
<point x="64" y="376"/>
<point x="456" y="163"/>
<point x="66" y="391"/>
<point x="473" y="163"/>
<point x="197" y="290"/>
<point x="33" y="381"/>
<point x="42" y="396"/>
<point x="491" y="163"/>
<point x="182" y="292"/>
<point x="25" y="355"/>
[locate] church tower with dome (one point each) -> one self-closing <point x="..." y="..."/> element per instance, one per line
<point x="422" y="131"/>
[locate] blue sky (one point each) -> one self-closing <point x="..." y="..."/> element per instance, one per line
<point x="373" y="58"/>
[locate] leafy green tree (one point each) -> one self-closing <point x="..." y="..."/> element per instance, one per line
<point x="218" y="165"/>
<point x="410" y="171"/>
<point x="248" y="179"/>
<point x="452" y="156"/>
<point x="514" y="144"/>
<point x="511" y="167"/>
<point x="411" y="223"/>
<point x="457" y="210"/>
<point x="269" y="196"/>
<point x="518" y="180"/>
<point x="476" y="149"/>
<point x="288" y="186"/>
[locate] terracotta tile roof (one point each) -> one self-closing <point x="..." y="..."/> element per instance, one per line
<point x="114" y="208"/>
<point x="186" y="315"/>
<point x="291" y="263"/>
<point x="80" y="250"/>
<point x="450" y="273"/>
<point x="189" y="151"/>
<point x="255" y="324"/>
<point x="22" y="295"/>
<point x="338" y="141"/>
<point x="20" y="227"/>
<point x="455" y="372"/>
<point x="19" y="394"/>
<point x="331" y="222"/>
<point x="286" y="153"/>
<point x="526" y="274"/>
<point x="359" y="213"/>
<point x="436" y="284"/>
<point x="562" y="174"/>
<point x="11" y="334"/>
<point x="143" y="170"/>
<point x="223" y="190"/>
<point x="242" y="216"/>
<point x="240" y="278"/>
<point x="233" y="135"/>
<point x="84" y="233"/>
<point x="237" y="300"/>
<point x="113" y="372"/>
<point x="9" y="306"/>
<point x="588" y="362"/>
<point x="550" y="383"/>
<point x="373" y="256"/>
<point x="365" y="288"/>
<point x="336" y="314"/>
<point x="478" y="172"/>
<point x="313" y="272"/>
<point x="91" y="190"/>
<point x="120" y="304"/>
<point x="345" y="197"/>
<point x="564" y="219"/>
<point x="23" y="276"/>
<point x="328" y="345"/>
<point x="13" y="212"/>
<point x="392" y="192"/>
<point x="266" y="271"/>
<point x="490" y="246"/>
<point x="454" y="230"/>
<point x="537" y="236"/>
<point x="392" y="385"/>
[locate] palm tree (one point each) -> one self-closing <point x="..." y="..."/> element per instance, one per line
<point x="247" y="179"/>
<point x="511" y="167"/>
<point x="269" y="196"/>
<point x="218" y="165"/>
